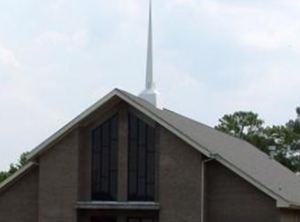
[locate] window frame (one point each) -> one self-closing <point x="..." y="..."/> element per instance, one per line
<point x="112" y="192"/>
<point x="141" y="219"/>
<point x="150" y="150"/>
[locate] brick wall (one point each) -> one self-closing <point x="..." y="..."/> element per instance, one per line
<point x="229" y="198"/>
<point x="59" y="181"/>
<point x="179" y="180"/>
<point x="19" y="202"/>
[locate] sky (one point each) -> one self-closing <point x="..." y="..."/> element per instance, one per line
<point x="211" y="57"/>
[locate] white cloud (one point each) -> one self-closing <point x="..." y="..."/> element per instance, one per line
<point x="271" y="92"/>
<point x="130" y="8"/>
<point x="74" y="40"/>
<point x="294" y="4"/>
<point x="249" y="24"/>
<point x="8" y="57"/>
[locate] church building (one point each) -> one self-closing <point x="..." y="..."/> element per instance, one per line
<point x="128" y="159"/>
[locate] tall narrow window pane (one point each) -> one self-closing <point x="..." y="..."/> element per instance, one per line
<point x="141" y="160"/>
<point x="104" y="161"/>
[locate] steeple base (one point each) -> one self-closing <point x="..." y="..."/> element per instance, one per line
<point x="151" y="96"/>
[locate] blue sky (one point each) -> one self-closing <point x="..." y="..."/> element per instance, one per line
<point x="212" y="57"/>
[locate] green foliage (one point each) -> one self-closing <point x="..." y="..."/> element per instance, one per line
<point x="241" y="124"/>
<point x="286" y="143"/>
<point x="14" y="167"/>
<point x="247" y="126"/>
<point x="280" y="142"/>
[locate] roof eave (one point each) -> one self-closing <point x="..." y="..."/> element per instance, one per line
<point x="280" y="201"/>
<point x="17" y="175"/>
<point x="116" y="92"/>
<point x="69" y="127"/>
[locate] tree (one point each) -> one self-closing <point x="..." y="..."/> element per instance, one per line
<point x="240" y="124"/>
<point x="286" y="143"/>
<point x="247" y="126"/>
<point x="281" y="142"/>
<point x="279" y="148"/>
<point x="14" y="167"/>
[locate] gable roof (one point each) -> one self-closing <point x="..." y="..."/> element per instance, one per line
<point x="244" y="159"/>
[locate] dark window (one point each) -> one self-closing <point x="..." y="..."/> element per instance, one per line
<point x="141" y="160"/>
<point x="103" y="219"/>
<point x="141" y="220"/>
<point x="104" y="160"/>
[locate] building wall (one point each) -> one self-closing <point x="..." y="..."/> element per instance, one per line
<point x="19" y="202"/>
<point x="290" y="216"/>
<point x="229" y="198"/>
<point x="64" y="178"/>
<point x="179" y="180"/>
<point x="59" y="181"/>
<point x="84" y="173"/>
<point x="120" y="216"/>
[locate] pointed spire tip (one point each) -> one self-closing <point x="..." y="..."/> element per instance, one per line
<point x="150" y="94"/>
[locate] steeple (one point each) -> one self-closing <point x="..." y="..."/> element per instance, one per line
<point x="149" y="67"/>
<point x="150" y="94"/>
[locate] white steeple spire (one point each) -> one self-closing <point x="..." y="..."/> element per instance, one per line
<point x="149" y="68"/>
<point x="150" y="94"/>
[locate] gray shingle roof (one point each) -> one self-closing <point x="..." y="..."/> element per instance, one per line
<point x="247" y="159"/>
<point x="241" y="157"/>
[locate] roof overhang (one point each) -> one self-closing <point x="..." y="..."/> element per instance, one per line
<point x="280" y="201"/>
<point x="16" y="176"/>
<point x="75" y="122"/>
<point x="41" y="148"/>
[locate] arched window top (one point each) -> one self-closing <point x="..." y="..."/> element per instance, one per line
<point x="104" y="160"/>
